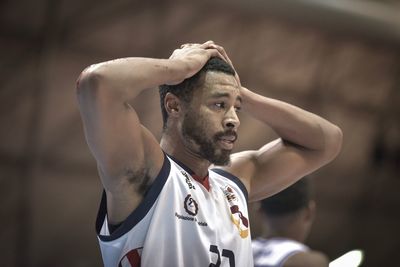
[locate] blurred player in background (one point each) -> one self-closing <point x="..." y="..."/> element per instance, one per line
<point x="288" y="217"/>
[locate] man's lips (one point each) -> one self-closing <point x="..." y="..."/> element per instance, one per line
<point x="227" y="140"/>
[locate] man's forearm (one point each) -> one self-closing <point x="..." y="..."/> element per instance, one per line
<point x="127" y="77"/>
<point x="293" y="124"/>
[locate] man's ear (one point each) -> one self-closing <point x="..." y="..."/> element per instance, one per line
<point x="172" y="104"/>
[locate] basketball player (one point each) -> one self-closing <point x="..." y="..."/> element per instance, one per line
<point x="288" y="216"/>
<point x="182" y="202"/>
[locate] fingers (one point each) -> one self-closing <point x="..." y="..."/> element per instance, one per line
<point x="211" y="48"/>
<point x="209" y="45"/>
<point x="203" y="45"/>
<point x="186" y="45"/>
<point x="225" y="57"/>
<point x="215" y="50"/>
<point x="212" y="52"/>
<point x="222" y="52"/>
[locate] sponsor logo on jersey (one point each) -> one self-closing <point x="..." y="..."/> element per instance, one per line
<point x="237" y="217"/>
<point x="191" y="208"/>
<point x="188" y="180"/>
<point x="191" y="205"/>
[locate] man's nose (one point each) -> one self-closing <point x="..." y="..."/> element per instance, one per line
<point x="231" y="119"/>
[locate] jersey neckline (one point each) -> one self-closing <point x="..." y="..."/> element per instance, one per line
<point x="204" y="181"/>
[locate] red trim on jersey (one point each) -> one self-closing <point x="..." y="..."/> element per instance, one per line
<point x="204" y="181"/>
<point x="133" y="258"/>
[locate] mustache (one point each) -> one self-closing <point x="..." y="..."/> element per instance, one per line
<point x="226" y="133"/>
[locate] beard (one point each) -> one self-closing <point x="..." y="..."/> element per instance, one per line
<point x="194" y="131"/>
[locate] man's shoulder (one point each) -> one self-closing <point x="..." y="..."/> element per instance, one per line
<point x="309" y="258"/>
<point x="228" y="176"/>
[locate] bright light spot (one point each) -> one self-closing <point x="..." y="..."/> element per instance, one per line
<point x="350" y="259"/>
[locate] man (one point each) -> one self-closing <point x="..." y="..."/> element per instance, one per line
<point x="163" y="205"/>
<point x="288" y="217"/>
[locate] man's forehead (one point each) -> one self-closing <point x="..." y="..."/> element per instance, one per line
<point x="221" y="82"/>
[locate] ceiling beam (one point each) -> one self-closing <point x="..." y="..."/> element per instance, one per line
<point x="375" y="20"/>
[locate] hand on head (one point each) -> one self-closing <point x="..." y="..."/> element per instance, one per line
<point x="196" y="55"/>
<point x="225" y="57"/>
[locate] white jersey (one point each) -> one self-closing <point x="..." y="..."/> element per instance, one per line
<point x="274" y="252"/>
<point x="181" y="223"/>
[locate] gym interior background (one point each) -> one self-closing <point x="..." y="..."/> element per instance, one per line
<point x="339" y="59"/>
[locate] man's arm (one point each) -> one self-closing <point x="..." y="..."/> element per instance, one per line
<point x="306" y="143"/>
<point x="127" y="154"/>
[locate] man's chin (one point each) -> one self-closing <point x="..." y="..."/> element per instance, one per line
<point x="223" y="160"/>
<point x="220" y="163"/>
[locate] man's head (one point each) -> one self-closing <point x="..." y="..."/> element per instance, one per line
<point x="291" y="211"/>
<point x="207" y="102"/>
<point x="184" y="90"/>
<point x="289" y="200"/>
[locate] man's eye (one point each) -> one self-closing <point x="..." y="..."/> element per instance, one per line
<point x="220" y="105"/>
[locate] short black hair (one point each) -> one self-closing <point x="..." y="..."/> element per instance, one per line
<point x="289" y="200"/>
<point x="184" y="90"/>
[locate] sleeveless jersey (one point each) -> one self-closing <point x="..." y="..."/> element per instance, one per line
<point x="274" y="252"/>
<point x="181" y="223"/>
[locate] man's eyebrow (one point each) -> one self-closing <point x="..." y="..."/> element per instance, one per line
<point x="220" y="94"/>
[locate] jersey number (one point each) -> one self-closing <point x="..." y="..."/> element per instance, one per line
<point x="225" y="253"/>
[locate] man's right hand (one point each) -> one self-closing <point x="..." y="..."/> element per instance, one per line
<point x="193" y="57"/>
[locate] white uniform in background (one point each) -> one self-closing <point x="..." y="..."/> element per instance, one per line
<point x="274" y="252"/>
<point x="181" y="223"/>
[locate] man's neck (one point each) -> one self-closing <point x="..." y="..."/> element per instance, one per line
<point x="172" y="145"/>
<point x="287" y="227"/>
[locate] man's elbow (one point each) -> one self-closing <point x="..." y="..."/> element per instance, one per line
<point x="88" y="82"/>
<point x="334" y="142"/>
